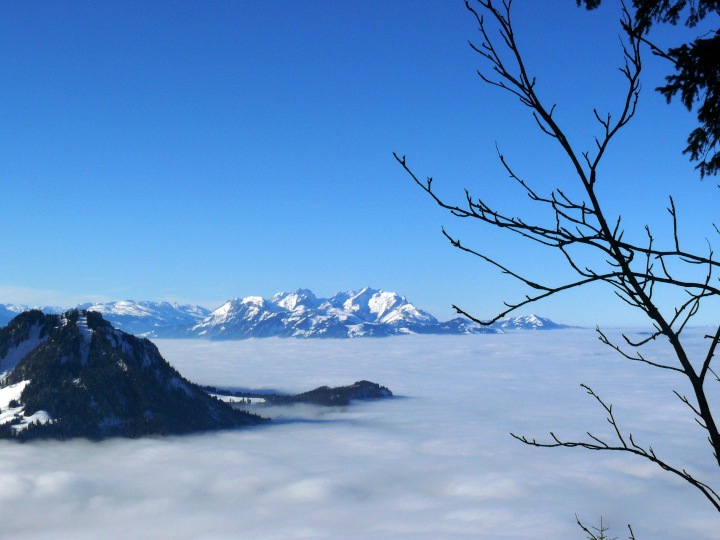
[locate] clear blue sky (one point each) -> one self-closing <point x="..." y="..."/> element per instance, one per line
<point x="200" y="151"/>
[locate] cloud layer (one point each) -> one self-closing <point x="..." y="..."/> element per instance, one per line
<point x="437" y="463"/>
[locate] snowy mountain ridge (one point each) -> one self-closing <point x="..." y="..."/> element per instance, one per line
<point x="156" y="319"/>
<point x="363" y="313"/>
<point x="367" y="312"/>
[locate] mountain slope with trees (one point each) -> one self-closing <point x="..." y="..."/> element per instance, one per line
<point x="74" y="375"/>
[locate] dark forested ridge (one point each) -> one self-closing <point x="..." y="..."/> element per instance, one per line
<point x="80" y="377"/>
<point x="323" y="395"/>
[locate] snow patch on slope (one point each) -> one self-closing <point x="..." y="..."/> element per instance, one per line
<point x="10" y="394"/>
<point x="41" y="417"/>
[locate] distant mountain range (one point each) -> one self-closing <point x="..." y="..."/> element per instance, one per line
<point x="368" y="312"/>
<point x="147" y="319"/>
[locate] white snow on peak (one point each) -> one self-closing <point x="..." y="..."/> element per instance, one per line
<point x="249" y="308"/>
<point x="382" y="302"/>
<point x="527" y="322"/>
<point x="302" y="298"/>
<point x="359" y="303"/>
<point x="407" y="312"/>
<point x="226" y="307"/>
<point x="378" y="306"/>
<point x="122" y="307"/>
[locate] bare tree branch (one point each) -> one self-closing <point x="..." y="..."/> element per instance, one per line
<point x="592" y="243"/>
<point x="597" y="443"/>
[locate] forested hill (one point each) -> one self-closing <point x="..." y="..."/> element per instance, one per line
<point x="74" y="375"/>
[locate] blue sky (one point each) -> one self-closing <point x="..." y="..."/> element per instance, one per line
<point x="200" y="151"/>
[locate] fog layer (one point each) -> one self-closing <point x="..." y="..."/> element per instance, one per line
<point x="438" y="462"/>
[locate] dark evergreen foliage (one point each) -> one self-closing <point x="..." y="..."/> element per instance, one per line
<point x="342" y="395"/>
<point x="323" y="395"/>
<point x="21" y="329"/>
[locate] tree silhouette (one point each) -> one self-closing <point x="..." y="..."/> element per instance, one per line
<point x="697" y="70"/>
<point x="593" y="243"/>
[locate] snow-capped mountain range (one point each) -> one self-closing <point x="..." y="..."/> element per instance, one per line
<point x="368" y="312"/>
<point x="149" y="318"/>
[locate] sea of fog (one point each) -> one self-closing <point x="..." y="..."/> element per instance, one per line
<point x="436" y="462"/>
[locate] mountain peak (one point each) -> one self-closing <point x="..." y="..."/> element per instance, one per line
<point x="253" y="300"/>
<point x="528" y="322"/>
<point x="291" y="301"/>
